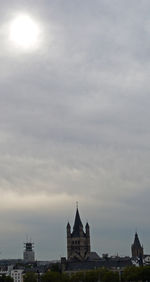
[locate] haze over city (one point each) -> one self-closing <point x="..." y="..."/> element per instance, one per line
<point x="74" y="123"/>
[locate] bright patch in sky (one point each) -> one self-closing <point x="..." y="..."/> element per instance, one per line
<point x="24" y="32"/>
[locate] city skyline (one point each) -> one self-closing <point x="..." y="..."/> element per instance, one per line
<point x="74" y="123"/>
<point x="29" y="241"/>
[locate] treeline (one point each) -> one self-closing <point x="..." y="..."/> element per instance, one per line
<point x="132" y="274"/>
<point x="5" y="278"/>
<point x="102" y="275"/>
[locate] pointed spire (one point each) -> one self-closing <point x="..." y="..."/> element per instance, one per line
<point x="77" y="205"/>
<point x="68" y="230"/>
<point x="136" y="248"/>
<point x="87" y="229"/>
<point x="136" y="241"/>
<point x="77" y="224"/>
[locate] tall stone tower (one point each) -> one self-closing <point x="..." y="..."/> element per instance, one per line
<point x="28" y="254"/>
<point x="136" y="248"/>
<point x="78" y="241"/>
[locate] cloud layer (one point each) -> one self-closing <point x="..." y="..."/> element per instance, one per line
<point x="75" y="125"/>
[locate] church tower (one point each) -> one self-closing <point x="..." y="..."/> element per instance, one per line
<point x="136" y="248"/>
<point x="78" y="241"/>
<point x="28" y="254"/>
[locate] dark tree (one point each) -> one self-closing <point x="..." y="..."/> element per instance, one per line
<point x="131" y="273"/>
<point x="56" y="267"/>
<point x="51" y="276"/>
<point x="30" y="277"/>
<point x="4" y="278"/>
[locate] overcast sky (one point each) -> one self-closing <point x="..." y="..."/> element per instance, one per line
<point x="74" y="125"/>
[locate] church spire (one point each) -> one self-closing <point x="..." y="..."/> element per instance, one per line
<point x="136" y="241"/>
<point x="78" y="242"/>
<point x="136" y="248"/>
<point x="77" y="224"/>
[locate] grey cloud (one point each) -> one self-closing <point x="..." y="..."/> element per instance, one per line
<point x="75" y="120"/>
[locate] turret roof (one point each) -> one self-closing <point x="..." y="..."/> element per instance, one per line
<point x="136" y="241"/>
<point x="77" y="225"/>
<point x="68" y="224"/>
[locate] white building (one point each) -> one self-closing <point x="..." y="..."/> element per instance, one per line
<point x="17" y="275"/>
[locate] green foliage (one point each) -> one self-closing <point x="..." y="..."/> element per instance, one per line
<point x="4" y="278"/>
<point x="51" y="276"/>
<point x="55" y="267"/>
<point x="30" y="277"/>
<point x="91" y="276"/>
<point x="77" y="277"/>
<point x="108" y="275"/>
<point x="131" y="273"/>
<point x="103" y="275"/>
<point x="145" y="273"/>
<point x="65" y="277"/>
<point x="134" y="273"/>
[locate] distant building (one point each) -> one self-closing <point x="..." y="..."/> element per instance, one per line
<point x="78" y="241"/>
<point x="28" y="254"/>
<point x="17" y="275"/>
<point x="79" y="255"/>
<point x="136" y="248"/>
<point x="146" y="260"/>
<point x="5" y="269"/>
<point x="112" y="263"/>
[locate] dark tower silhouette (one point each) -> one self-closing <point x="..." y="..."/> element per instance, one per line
<point x="136" y="248"/>
<point x="78" y="242"/>
<point x="28" y="254"/>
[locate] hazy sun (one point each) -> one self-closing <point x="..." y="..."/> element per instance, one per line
<point x="24" y="32"/>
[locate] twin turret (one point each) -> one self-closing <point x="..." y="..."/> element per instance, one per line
<point x="81" y="232"/>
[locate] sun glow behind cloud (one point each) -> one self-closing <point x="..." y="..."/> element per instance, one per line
<point x="74" y="121"/>
<point x="24" y="32"/>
